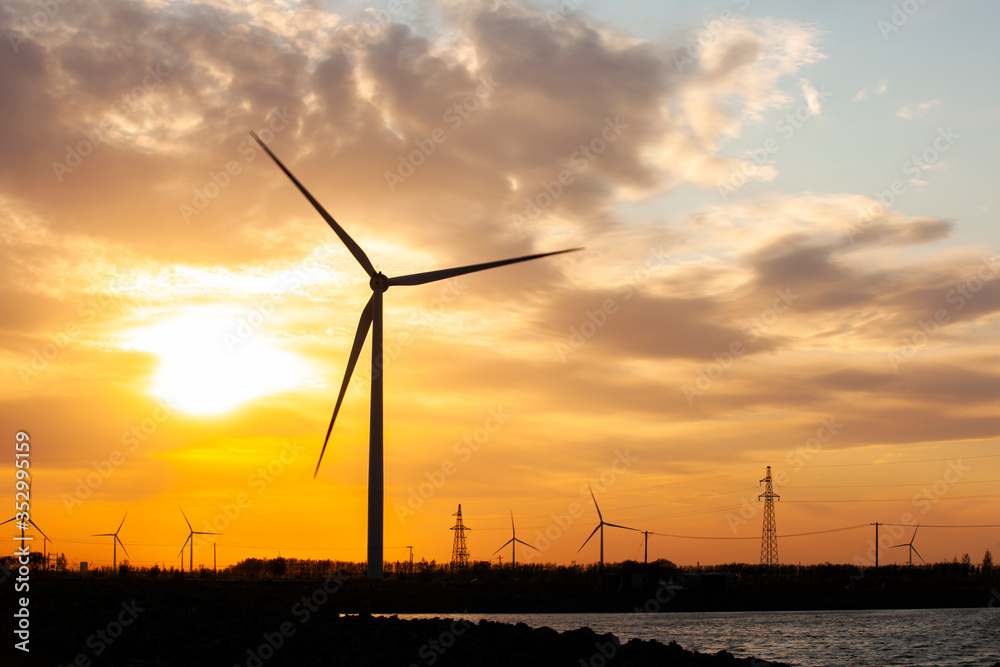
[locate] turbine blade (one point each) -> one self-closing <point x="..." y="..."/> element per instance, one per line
<point x="588" y="539"/>
<point x="359" y="341"/>
<point x="918" y="553"/>
<point x="122" y="523"/>
<point x="13" y="518"/>
<point x="432" y="276"/>
<point x="615" y="525"/>
<point x="601" y="518"/>
<point x="526" y="544"/>
<point x="32" y="522"/>
<point x="355" y="249"/>
<point x="512" y="532"/>
<point x="896" y="546"/>
<point x="185" y="518"/>
<point x="504" y="545"/>
<point x="181" y="552"/>
<point x="915" y="533"/>
<point x="122" y="545"/>
<point x="103" y="535"/>
<point x="197" y="532"/>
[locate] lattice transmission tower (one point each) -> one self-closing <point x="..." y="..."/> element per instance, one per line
<point x="459" y="552"/>
<point x="769" y="535"/>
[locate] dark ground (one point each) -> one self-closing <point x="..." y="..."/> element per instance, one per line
<point x="161" y="622"/>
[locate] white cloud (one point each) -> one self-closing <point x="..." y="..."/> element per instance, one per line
<point x="917" y="110"/>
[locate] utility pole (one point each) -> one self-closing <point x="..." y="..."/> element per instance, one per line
<point x="769" y="533"/>
<point x="215" y="562"/>
<point x="876" y="524"/>
<point x="411" y="560"/>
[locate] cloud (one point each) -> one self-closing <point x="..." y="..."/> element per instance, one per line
<point x="812" y="98"/>
<point x="917" y="110"/>
<point x="877" y="89"/>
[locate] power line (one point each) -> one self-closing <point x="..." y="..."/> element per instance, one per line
<point x="875" y="486"/>
<point x="815" y="532"/>
<point x="896" y="500"/>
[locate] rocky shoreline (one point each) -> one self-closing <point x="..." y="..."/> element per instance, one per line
<point x="128" y="622"/>
<point x="142" y="623"/>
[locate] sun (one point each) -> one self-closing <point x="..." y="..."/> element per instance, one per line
<point x="210" y="364"/>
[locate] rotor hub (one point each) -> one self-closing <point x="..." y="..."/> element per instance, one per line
<point x="379" y="282"/>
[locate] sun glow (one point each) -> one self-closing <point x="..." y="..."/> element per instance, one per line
<point x="211" y="364"/>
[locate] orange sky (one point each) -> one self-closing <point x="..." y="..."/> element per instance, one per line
<point x="177" y="317"/>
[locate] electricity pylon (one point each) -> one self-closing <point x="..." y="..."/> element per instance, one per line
<point x="459" y="552"/>
<point x="769" y="536"/>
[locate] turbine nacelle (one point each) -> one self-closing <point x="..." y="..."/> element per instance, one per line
<point x="379" y="281"/>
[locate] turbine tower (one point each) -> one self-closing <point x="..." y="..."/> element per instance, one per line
<point x="190" y="538"/>
<point x="913" y="549"/>
<point x="115" y="541"/>
<point x="513" y="542"/>
<point x="459" y="552"/>
<point x="600" y="527"/>
<point x="769" y="536"/>
<point x="371" y="317"/>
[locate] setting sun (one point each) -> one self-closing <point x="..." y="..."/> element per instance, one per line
<point x="210" y="364"/>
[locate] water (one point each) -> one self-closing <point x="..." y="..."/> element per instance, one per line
<point x="901" y="638"/>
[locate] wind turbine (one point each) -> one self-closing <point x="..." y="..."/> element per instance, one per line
<point x="913" y="549"/>
<point x="513" y="544"/>
<point x="190" y="538"/>
<point x="371" y="317"/>
<point x="600" y="527"/>
<point x="115" y="541"/>
<point x="23" y="525"/>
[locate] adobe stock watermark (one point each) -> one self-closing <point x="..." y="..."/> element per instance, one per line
<point x="563" y="10"/>
<point x="103" y="638"/>
<point x="29" y="26"/>
<point x="262" y="309"/>
<point x="562" y="521"/>
<point x="76" y="153"/>
<point x="752" y="329"/>
<point x="578" y="160"/>
<point x="464" y="449"/>
<point x="796" y="459"/>
<point x="455" y="116"/>
<point x="114" y="295"/>
<point x="596" y="319"/>
<point x="759" y="156"/>
<point x="929" y="329"/>
<point x="431" y="652"/>
<point x="929" y="157"/>
<point x="258" y="481"/>
<point x="449" y="293"/>
<point x="899" y="16"/>
<point x="302" y="611"/>
<point x="364" y="34"/>
<point x="220" y="180"/>
<point x="713" y="28"/>
<point x="924" y="501"/>
<point x="131" y="439"/>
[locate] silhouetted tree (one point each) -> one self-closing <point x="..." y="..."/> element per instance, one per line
<point x="987" y="566"/>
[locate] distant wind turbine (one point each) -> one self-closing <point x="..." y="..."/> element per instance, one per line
<point x="115" y="541"/>
<point x="371" y="317"/>
<point x="23" y="525"/>
<point x="190" y="538"/>
<point x="913" y="549"/>
<point x="513" y="542"/>
<point x="600" y="527"/>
